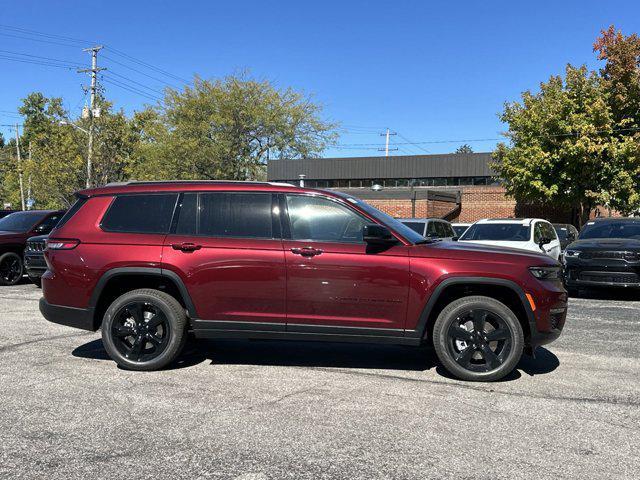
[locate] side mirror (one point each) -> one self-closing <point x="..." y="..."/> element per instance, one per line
<point x="377" y="235"/>
<point x="454" y="239"/>
<point x="544" y="241"/>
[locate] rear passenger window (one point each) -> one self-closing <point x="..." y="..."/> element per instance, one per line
<point x="239" y="215"/>
<point x="140" y="213"/>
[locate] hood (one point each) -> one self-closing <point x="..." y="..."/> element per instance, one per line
<point x="10" y="235"/>
<point x="606" y="244"/>
<point x="476" y="251"/>
<point x="37" y="238"/>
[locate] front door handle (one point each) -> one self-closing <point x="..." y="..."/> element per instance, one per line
<point x="306" y="251"/>
<point x="186" y="246"/>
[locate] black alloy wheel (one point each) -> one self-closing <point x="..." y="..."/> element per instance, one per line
<point x="11" y="268"/>
<point x="478" y="338"/>
<point x="140" y="331"/>
<point x="144" y="329"/>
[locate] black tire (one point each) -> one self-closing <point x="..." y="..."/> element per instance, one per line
<point x="144" y="329"/>
<point x="478" y="339"/>
<point x="37" y="281"/>
<point x="11" y="268"/>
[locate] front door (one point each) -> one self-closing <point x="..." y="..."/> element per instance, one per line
<point x="226" y="247"/>
<point x="333" y="277"/>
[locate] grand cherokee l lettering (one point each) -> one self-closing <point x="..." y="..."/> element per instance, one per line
<point x="147" y="262"/>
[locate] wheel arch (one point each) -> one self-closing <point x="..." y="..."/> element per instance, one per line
<point x="503" y="290"/>
<point x="118" y="281"/>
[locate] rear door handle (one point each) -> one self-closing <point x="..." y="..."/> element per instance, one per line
<point x="186" y="246"/>
<point x="306" y="251"/>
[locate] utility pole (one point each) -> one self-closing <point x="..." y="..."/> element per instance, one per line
<point x="19" y="167"/>
<point x="386" y="147"/>
<point x="92" y="109"/>
<point x="29" y="201"/>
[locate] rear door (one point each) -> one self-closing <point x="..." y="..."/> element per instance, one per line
<point x="334" y="279"/>
<point x="226" y="248"/>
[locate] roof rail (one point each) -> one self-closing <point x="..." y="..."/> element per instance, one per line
<point x="165" y="182"/>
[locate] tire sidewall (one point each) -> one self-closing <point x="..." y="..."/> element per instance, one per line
<point x="12" y="254"/>
<point x="176" y="332"/>
<point x="449" y="315"/>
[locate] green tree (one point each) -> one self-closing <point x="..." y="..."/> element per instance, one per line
<point x="464" y="149"/>
<point x="570" y="145"/>
<point x="226" y="129"/>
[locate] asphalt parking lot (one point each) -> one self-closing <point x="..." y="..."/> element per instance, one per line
<point x="269" y="410"/>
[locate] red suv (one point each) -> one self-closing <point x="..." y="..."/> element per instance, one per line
<point x="150" y="261"/>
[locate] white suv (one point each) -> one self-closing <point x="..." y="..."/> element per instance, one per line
<point x="533" y="234"/>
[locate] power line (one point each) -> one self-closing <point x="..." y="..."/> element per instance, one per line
<point x="111" y="72"/>
<point x="42" y="34"/>
<point x="130" y="89"/>
<point x="148" y="65"/>
<point x="413" y="143"/>
<point x="138" y="71"/>
<point x="37" y="62"/>
<point x="68" y="62"/>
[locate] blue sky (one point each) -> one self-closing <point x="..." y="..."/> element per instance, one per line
<point x="431" y="71"/>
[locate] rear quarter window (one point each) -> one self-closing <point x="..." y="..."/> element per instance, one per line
<point x="140" y="213"/>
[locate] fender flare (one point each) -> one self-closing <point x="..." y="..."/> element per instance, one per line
<point x="157" y="272"/>
<point x="421" y="328"/>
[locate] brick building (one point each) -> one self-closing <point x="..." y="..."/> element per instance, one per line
<point x="458" y="187"/>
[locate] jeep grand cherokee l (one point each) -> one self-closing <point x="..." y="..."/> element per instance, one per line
<point x="606" y="254"/>
<point x="147" y="262"/>
<point x="15" y="229"/>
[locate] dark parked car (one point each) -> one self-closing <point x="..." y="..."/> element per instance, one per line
<point x="567" y="233"/>
<point x="606" y="254"/>
<point x="34" y="262"/>
<point x="147" y="262"/>
<point x="432" y="228"/>
<point x="14" y="231"/>
<point x="4" y="213"/>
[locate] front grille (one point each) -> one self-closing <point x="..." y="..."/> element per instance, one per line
<point x="35" y="246"/>
<point x="597" y="255"/>
<point x="609" y="277"/>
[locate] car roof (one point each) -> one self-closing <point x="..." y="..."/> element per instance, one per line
<point x="422" y="219"/>
<point x="521" y="221"/>
<point x="614" y="219"/>
<point x="196" y="185"/>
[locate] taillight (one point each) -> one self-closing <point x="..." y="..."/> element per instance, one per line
<point x="62" y="243"/>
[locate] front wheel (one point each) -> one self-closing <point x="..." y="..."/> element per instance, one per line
<point x="478" y="338"/>
<point x="144" y="329"/>
<point x="11" y="268"/>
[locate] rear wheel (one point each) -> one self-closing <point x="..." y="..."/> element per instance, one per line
<point x="478" y="339"/>
<point x="11" y="268"/>
<point x="144" y="329"/>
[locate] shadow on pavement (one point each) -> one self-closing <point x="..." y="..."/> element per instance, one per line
<point x="631" y="294"/>
<point x="320" y="354"/>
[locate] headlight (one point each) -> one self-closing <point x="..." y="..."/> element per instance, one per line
<point x="572" y="253"/>
<point x="545" y="273"/>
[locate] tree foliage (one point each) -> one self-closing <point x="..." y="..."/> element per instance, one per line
<point x="575" y="142"/>
<point x="464" y="149"/>
<point x="226" y="129"/>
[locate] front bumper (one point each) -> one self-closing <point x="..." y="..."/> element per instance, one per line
<point x="35" y="264"/>
<point x="584" y="273"/>
<point x="82" y="318"/>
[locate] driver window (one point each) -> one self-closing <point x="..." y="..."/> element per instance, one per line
<point x="537" y="232"/>
<point x="322" y="220"/>
<point x="432" y="231"/>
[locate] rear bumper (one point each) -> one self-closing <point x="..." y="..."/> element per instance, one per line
<point x="82" y="318"/>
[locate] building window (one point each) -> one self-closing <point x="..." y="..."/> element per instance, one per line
<point x="480" y="180"/>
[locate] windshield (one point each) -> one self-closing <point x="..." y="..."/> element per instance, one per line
<point x="385" y="219"/>
<point x="415" y="226"/>
<point x="511" y="232"/>
<point x="20" y="221"/>
<point x="563" y="232"/>
<point x="460" y="229"/>
<point x="615" y="229"/>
